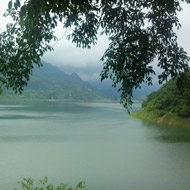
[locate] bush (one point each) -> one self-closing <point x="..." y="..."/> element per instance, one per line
<point x="28" y="184"/>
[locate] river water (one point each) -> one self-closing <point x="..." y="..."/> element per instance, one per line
<point x="94" y="142"/>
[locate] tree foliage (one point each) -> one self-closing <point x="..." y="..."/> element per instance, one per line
<point x="139" y="32"/>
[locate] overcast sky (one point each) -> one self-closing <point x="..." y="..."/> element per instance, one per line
<point x="86" y="62"/>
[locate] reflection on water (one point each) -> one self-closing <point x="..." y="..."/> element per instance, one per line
<point x="173" y="139"/>
<point x="95" y="142"/>
<point x="166" y="133"/>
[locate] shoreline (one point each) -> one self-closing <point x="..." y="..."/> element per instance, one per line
<point x="168" y="119"/>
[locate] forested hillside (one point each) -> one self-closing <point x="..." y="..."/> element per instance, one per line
<point x="169" y="105"/>
<point x="169" y="99"/>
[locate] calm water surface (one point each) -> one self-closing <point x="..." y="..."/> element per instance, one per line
<point x="94" y="142"/>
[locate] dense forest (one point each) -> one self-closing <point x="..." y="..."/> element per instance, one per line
<point x="169" y="99"/>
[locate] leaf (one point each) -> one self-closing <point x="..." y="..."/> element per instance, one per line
<point x="10" y="4"/>
<point x="18" y="3"/>
<point x="22" y="12"/>
<point x="15" y="6"/>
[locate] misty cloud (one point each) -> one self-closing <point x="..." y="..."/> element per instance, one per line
<point x="85" y="62"/>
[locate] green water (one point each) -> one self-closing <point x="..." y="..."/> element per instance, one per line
<point x="94" y="142"/>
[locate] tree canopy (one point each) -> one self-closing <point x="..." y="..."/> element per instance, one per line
<point x="139" y="31"/>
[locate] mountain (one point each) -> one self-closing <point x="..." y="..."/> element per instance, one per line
<point x="169" y="105"/>
<point x="105" y="89"/>
<point x="50" y="82"/>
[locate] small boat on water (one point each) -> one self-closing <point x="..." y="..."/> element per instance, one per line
<point x="52" y="100"/>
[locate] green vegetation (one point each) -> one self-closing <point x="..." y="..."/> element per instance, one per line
<point x="133" y="46"/>
<point x="169" y="99"/>
<point x="168" y="118"/>
<point x="169" y="105"/>
<point x="28" y="184"/>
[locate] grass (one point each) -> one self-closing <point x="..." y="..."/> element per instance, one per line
<point x="169" y="118"/>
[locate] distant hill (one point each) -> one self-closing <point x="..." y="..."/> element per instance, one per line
<point x="167" y="105"/>
<point x="49" y="82"/>
<point x="105" y="88"/>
